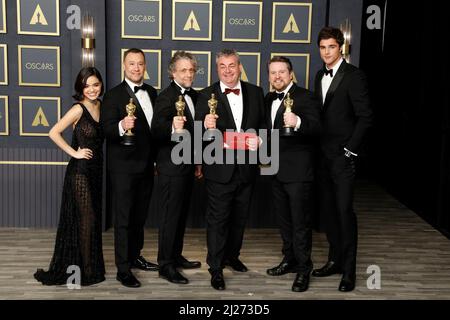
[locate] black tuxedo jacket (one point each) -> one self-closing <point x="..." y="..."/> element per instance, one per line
<point x="296" y="153"/>
<point x="162" y="129"/>
<point x="253" y="118"/>
<point x="120" y="158"/>
<point x="346" y="112"/>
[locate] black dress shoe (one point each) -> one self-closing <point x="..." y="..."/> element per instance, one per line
<point x="217" y="281"/>
<point x="328" y="269"/>
<point x="172" y="275"/>
<point x="282" y="268"/>
<point x="128" y="279"/>
<point x="141" y="263"/>
<point x="301" y="282"/>
<point x="184" y="263"/>
<point x="236" y="265"/>
<point x="347" y="283"/>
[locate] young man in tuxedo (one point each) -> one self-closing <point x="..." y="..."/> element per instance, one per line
<point x="175" y="181"/>
<point x="229" y="185"/>
<point x="346" y="116"/>
<point x="130" y="167"/>
<point x="292" y="184"/>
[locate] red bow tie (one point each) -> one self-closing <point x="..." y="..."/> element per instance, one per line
<point x="235" y="91"/>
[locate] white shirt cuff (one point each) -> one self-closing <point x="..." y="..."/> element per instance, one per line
<point x="299" y="122"/>
<point x="352" y="153"/>
<point x="121" y="131"/>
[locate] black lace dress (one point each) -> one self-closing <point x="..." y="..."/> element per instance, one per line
<point x="79" y="235"/>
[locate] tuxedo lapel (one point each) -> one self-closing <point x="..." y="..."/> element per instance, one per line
<point x="187" y="111"/>
<point x="337" y="79"/>
<point x="135" y="100"/>
<point x="319" y="86"/>
<point x="224" y="101"/>
<point x="269" y="100"/>
<point x="152" y="97"/>
<point x="245" y="104"/>
<point x="277" y="123"/>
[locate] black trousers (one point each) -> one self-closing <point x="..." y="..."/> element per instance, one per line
<point x="336" y="177"/>
<point x="292" y="205"/>
<point x="131" y="200"/>
<point x="174" y="198"/>
<point x="226" y="215"/>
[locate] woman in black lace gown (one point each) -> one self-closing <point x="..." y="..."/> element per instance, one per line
<point x="79" y="235"/>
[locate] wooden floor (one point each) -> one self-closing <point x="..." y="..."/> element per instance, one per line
<point x="413" y="257"/>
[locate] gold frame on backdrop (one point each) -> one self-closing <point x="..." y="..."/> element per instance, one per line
<point x="288" y="54"/>
<point x="208" y="53"/>
<point x="6" y="132"/>
<point x="21" y="98"/>
<point x="224" y="11"/>
<point x="3" y="17"/>
<point x="126" y="36"/>
<point x="209" y="2"/>
<point x="20" y="31"/>
<point x="5" y="63"/>
<point x="158" y="51"/>
<point x="258" y="70"/>
<point x="58" y="61"/>
<point x="274" y="5"/>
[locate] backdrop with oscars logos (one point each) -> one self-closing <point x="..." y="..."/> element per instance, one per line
<point x="40" y="55"/>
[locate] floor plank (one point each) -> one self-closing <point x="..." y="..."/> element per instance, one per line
<point x="413" y="257"/>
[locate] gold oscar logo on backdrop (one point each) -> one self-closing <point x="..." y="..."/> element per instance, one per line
<point x="38" y="17"/>
<point x="291" y="25"/>
<point x="191" y="23"/>
<point x="40" y="119"/>
<point x="146" y="76"/>
<point x="244" y="76"/>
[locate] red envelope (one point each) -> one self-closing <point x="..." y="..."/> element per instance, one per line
<point x="236" y="140"/>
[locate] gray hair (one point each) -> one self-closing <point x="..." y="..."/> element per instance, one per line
<point x="180" y="54"/>
<point x="227" y="53"/>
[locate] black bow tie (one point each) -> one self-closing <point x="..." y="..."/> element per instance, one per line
<point x="187" y="92"/>
<point x="137" y="88"/>
<point x="279" y="96"/>
<point x="328" y="71"/>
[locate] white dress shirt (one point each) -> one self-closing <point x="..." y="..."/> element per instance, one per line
<point x="327" y="79"/>
<point x="277" y="103"/>
<point x="236" y="104"/>
<point x="187" y="98"/>
<point x="144" y="101"/>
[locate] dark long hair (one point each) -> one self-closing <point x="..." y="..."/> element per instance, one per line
<point x="80" y="82"/>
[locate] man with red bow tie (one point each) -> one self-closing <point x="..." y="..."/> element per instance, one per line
<point x="240" y="106"/>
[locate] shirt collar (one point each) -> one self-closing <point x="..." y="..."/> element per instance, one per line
<point x="285" y="91"/>
<point x="223" y="86"/>
<point x="183" y="89"/>
<point x="336" y="66"/>
<point x="131" y="84"/>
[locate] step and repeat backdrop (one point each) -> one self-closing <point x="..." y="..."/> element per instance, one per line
<point x="40" y="54"/>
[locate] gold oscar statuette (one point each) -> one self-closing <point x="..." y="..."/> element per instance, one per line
<point x="212" y="104"/>
<point x="128" y="138"/>
<point x="287" y="131"/>
<point x="179" y="106"/>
